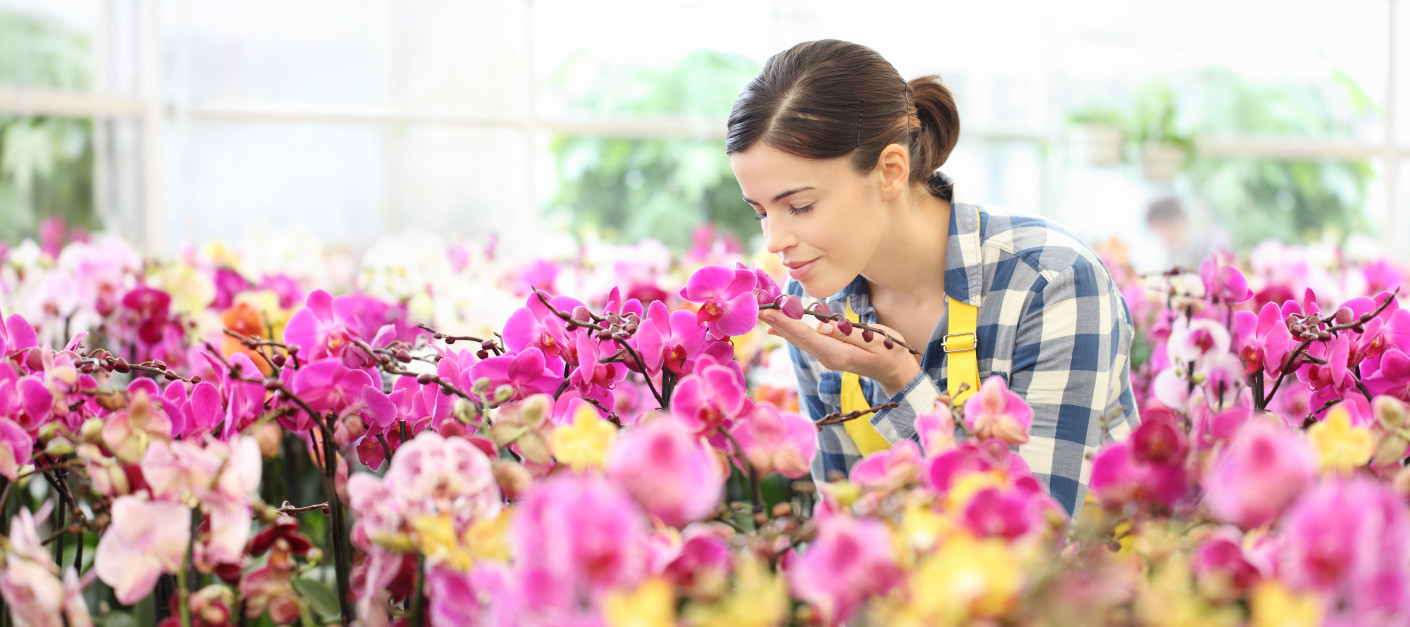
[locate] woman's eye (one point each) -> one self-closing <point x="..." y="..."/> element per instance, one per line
<point x="800" y="210"/>
<point x="759" y="217"/>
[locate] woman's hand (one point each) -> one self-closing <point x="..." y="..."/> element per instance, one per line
<point x="892" y="368"/>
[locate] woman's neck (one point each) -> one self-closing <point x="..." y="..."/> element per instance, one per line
<point x="909" y="266"/>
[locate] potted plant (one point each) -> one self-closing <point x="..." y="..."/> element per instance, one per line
<point x="1095" y="136"/>
<point x="1164" y="148"/>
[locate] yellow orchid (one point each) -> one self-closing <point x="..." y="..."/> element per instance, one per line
<point x="1339" y="445"/>
<point x="583" y="444"/>
<point x="1273" y="605"/>
<point x="436" y="539"/>
<point x="652" y="604"/>
<point x="489" y="538"/>
<point x="982" y="579"/>
<point x="966" y="486"/>
<point x="759" y="599"/>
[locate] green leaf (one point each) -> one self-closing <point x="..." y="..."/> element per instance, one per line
<point x="321" y="596"/>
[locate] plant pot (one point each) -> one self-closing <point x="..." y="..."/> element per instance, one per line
<point x="1161" y="161"/>
<point x="1095" y="144"/>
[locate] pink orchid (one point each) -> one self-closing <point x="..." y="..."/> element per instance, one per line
<point x="16" y="448"/>
<point x="1010" y="513"/>
<point x="329" y="386"/>
<point x="995" y="412"/>
<point x="526" y="372"/>
<point x="703" y="557"/>
<point x="1347" y="539"/>
<point x="669" y="472"/>
<point x="774" y="441"/>
<point x="669" y="339"/>
<point x="328" y="326"/>
<point x="435" y="474"/>
<point x="16" y="335"/>
<point x="129" y="431"/>
<point x="1120" y="475"/>
<point x="891" y="467"/>
<point x="1262" y="341"/>
<point x="592" y="375"/>
<point x="145" y="539"/>
<point x="1213" y="426"/>
<point x="1222" y="570"/>
<point x="534" y="326"/>
<point x="766" y="290"/>
<point x="726" y="296"/>
<point x="1193" y="340"/>
<point x="970" y="457"/>
<point x="1224" y="283"/>
<point x="1391" y="376"/>
<point x="580" y="533"/>
<point x="710" y="399"/>
<point x="244" y="400"/>
<point x="1258" y="475"/>
<point x="1332" y="380"/>
<point x="936" y="431"/>
<point x="851" y="560"/>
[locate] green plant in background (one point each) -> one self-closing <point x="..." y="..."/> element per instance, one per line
<point x="46" y="163"/>
<point x="1292" y="201"/>
<point x="630" y="189"/>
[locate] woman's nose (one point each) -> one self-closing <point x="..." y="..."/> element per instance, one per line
<point x="777" y="238"/>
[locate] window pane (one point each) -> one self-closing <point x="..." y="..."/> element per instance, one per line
<point x="47" y="45"/>
<point x="310" y="51"/>
<point x="228" y="177"/>
<point x="464" y="182"/>
<point x="466" y="57"/>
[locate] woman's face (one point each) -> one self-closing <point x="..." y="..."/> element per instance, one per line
<point x="822" y="218"/>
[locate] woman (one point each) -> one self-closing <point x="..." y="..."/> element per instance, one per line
<point x="840" y="157"/>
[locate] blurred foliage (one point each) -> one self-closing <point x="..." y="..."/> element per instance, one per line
<point x="630" y="189"/>
<point x="1292" y="201"/>
<point x="46" y="163"/>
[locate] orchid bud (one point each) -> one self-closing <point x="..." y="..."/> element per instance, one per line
<point x="465" y="411"/>
<point x="1324" y="336"/>
<point x="1343" y="315"/>
<point x="49" y="431"/>
<point x="845" y="326"/>
<point x="280" y="359"/>
<point x="121" y="366"/>
<point x="581" y="314"/>
<point x="480" y="386"/>
<point x="482" y="354"/>
<point x="503" y="393"/>
<point x="513" y="478"/>
<point x="1390" y="450"/>
<point x="91" y="431"/>
<point x="403" y="355"/>
<point x="535" y="409"/>
<point x="268" y="436"/>
<point x="488" y="345"/>
<point x="889" y="344"/>
<point x="790" y="305"/>
<point x="820" y="308"/>
<point x="58" y="446"/>
<point x="867" y="335"/>
<point x="1390" y="412"/>
<point x="426" y="378"/>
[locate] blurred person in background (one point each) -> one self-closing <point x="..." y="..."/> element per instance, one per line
<point x="1186" y="243"/>
<point x="839" y="158"/>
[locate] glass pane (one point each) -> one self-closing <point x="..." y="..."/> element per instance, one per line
<point x="227" y="179"/>
<point x="596" y="58"/>
<point x="466" y="57"/>
<point x="311" y="51"/>
<point x="1263" y="67"/>
<point x="47" y="45"/>
<point x="465" y="182"/>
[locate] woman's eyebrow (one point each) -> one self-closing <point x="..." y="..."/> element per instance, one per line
<point x="783" y="195"/>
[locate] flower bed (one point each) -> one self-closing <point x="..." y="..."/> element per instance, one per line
<point x="607" y="439"/>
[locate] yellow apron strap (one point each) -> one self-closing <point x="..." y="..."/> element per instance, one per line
<point x="960" y="345"/>
<point x="866" y="437"/>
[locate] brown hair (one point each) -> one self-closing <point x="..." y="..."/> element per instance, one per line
<point x="828" y="99"/>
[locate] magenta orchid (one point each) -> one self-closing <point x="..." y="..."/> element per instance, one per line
<point x="728" y="306"/>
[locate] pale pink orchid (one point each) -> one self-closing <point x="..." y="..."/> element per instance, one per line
<point x="936" y="431"/>
<point x="851" y="560"/>
<point x="576" y="533"/>
<point x="526" y="372"/>
<point x="1225" y="284"/>
<point x="726" y="296"/>
<point x="145" y="540"/>
<point x="1193" y="340"/>
<point x="16" y="448"/>
<point x="1258" y="475"/>
<point x="1346" y="539"/>
<point x="775" y="441"/>
<point x="892" y="467"/>
<point x="671" y="473"/>
<point x="995" y="412"/>
<point x="129" y="430"/>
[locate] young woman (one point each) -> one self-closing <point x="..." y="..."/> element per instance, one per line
<point x="839" y="157"/>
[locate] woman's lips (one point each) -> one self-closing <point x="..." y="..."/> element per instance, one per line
<point x="801" y="270"/>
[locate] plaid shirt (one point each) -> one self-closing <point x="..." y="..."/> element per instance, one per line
<point x="1051" y="323"/>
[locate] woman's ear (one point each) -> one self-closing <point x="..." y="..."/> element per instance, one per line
<point x="894" y="164"/>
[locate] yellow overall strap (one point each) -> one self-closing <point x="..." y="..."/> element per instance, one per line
<point x="866" y="436"/>
<point x="960" y="345"/>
